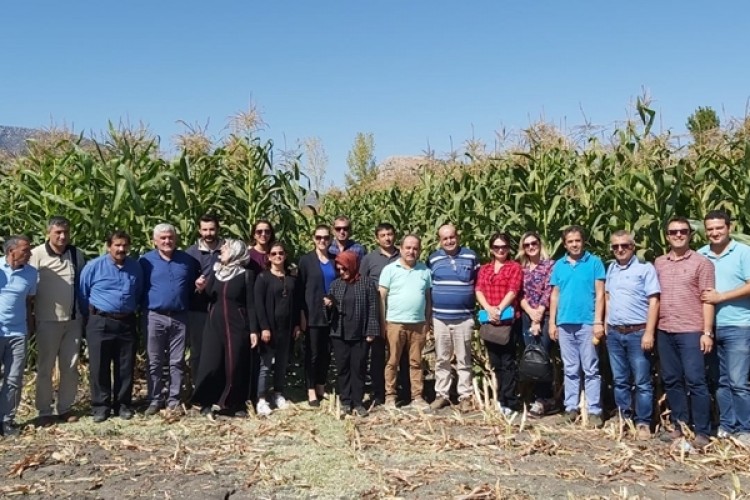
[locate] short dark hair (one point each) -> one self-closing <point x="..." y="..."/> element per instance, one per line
<point x="681" y="219"/>
<point x="209" y="217"/>
<point x="322" y="226"/>
<point x="575" y="228"/>
<point x="117" y="234"/>
<point x="59" y="221"/>
<point x="13" y="241"/>
<point x="718" y="214"/>
<point x="384" y="226"/>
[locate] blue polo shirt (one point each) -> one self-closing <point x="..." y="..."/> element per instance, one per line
<point x="577" y="284"/>
<point x="453" y="278"/>
<point x="16" y="285"/>
<point x="406" y="292"/>
<point x="349" y="245"/>
<point x="629" y="288"/>
<point x="110" y="288"/>
<point x="170" y="283"/>
<point x="732" y="271"/>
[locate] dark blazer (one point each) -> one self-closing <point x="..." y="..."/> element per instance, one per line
<point x="367" y="309"/>
<point x="311" y="282"/>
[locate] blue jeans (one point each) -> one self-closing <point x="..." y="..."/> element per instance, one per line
<point x="683" y="371"/>
<point x="542" y="390"/>
<point x="13" y="359"/>
<point x="579" y="354"/>
<point x="631" y="369"/>
<point x="733" y="393"/>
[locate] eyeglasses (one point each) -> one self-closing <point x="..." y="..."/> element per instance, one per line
<point x="340" y="269"/>
<point x="277" y="254"/>
<point x="500" y="248"/>
<point x="262" y="231"/>
<point x="681" y="232"/>
<point x="341" y="228"/>
<point x="621" y="246"/>
<point x="531" y="244"/>
<point x="322" y="238"/>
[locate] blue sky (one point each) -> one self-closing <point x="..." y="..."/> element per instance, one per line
<point x="411" y="72"/>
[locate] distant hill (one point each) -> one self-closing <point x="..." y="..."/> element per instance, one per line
<point x="13" y="139"/>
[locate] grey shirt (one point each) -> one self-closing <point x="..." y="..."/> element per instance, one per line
<point x="373" y="263"/>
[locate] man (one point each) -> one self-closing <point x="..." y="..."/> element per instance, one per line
<point x="170" y="277"/>
<point x="18" y="284"/>
<point x="406" y="304"/>
<point x="685" y="332"/>
<point x="731" y="297"/>
<point x="453" y="269"/>
<point x="111" y="290"/>
<point x="632" y="305"/>
<point x="206" y="251"/>
<point x="370" y="268"/>
<point x="342" y="230"/>
<point x="576" y="318"/>
<point x="58" y="321"/>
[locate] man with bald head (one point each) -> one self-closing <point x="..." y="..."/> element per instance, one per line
<point x="453" y="269"/>
<point x="406" y="301"/>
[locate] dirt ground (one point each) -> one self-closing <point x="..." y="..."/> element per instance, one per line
<point x="305" y="452"/>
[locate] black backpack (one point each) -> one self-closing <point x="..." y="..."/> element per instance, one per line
<point x="535" y="364"/>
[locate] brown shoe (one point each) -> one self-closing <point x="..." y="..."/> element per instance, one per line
<point x="643" y="432"/>
<point x="466" y="404"/>
<point x="68" y="417"/>
<point x="440" y="402"/>
<point x="701" y="442"/>
<point x="45" y="421"/>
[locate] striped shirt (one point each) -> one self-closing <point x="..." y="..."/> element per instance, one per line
<point x="682" y="280"/>
<point x="453" y="278"/>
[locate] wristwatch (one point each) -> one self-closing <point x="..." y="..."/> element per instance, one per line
<point x="709" y="334"/>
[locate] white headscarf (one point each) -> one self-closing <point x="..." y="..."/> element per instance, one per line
<point x="238" y="258"/>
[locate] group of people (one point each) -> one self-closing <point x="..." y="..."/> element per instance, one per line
<point x="241" y="307"/>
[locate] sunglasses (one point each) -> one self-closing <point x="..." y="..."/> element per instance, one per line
<point x="341" y="228"/>
<point x="531" y="244"/>
<point x="681" y="232"/>
<point x="322" y="238"/>
<point x="621" y="246"/>
<point x="340" y="269"/>
<point x="262" y="231"/>
<point x="500" y="248"/>
<point x="277" y="254"/>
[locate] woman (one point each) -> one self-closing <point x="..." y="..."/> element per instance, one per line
<point x="278" y="311"/>
<point x="316" y="273"/>
<point x="224" y="372"/>
<point x="498" y="285"/>
<point x="352" y="304"/>
<point x="263" y="237"/>
<point x="537" y="268"/>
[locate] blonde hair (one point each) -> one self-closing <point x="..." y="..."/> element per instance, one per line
<point x="522" y="258"/>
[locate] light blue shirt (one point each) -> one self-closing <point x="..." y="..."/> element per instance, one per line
<point x="732" y="271"/>
<point x="407" y="290"/>
<point x="577" y="283"/>
<point x="110" y="288"/>
<point x="16" y="286"/>
<point x="629" y="288"/>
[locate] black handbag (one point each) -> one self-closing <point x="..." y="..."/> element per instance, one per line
<point x="535" y="364"/>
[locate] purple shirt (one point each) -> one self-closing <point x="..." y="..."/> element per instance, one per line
<point x="536" y="287"/>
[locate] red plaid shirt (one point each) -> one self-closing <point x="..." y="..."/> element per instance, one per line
<point x="496" y="285"/>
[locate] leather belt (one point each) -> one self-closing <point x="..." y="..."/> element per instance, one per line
<point x="625" y="329"/>
<point x="167" y="313"/>
<point x="98" y="312"/>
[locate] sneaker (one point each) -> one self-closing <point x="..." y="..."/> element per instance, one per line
<point x="208" y="412"/>
<point x="390" y="403"/>
<point x="440" y="402"/>
<point x="536" y="409"/>
<point x="344" y="411"/>
<point x="701" y="442"/>
<point x="263" y="409"/>
<point x="360" y="411"/>
<point x="681" y="445"/>
<point x="466" y="404"/>
<point x="152" y="409"/>
<point x="642" y="432"/>
<point x="571" y="416"/>
<point x="504" y="410"/>
<point x="420" y="404"/>
<point x="595" y="421"/>
<point x="280" y="402"/>
<point x="723" y="434"/>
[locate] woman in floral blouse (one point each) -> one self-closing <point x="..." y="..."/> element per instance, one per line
<point x="537" y="268"/>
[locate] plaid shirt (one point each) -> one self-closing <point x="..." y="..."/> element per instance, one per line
<point x="366" y="303"/>
<point x="495" y="286"/>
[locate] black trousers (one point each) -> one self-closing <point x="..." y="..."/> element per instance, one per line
<point x="112" y="344"/>
<point x="317" y="355"/>
<point x="375" y="352"/>
<point x="505" y="367"/>
<point x="350" y="369"/>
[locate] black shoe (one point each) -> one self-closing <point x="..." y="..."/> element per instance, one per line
<point x="152" y="409"/>
<point x="360" y="411"/>
<point x="126" y="413"/>
<point x="314" y="402"/>
<point x="345" y="410"/>
<point x="240" y="414"/>
<point x="572" y="416"/>
<point x="98" y="418"/>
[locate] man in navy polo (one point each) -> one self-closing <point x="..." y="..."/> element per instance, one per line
<point x="170" y="277"/>
<point x="632" y="304"/>
<point x="111" y="291"/>
<point x="18" y="282"/>
<point x="577" y="321"/>
<point x="731" y="297"/>
<point x="454" y="270"/>
<point x="342" y="230"/>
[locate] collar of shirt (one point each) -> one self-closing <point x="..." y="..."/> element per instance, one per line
<point x="584" y="258"/>
<point x="51" y="252"/>
<point x="390" y="256"/>
<point x="204" y="248"/>
<point x="671" y="256"/>
<point x="630" y="263"/>
<point x="711" y="255"/>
